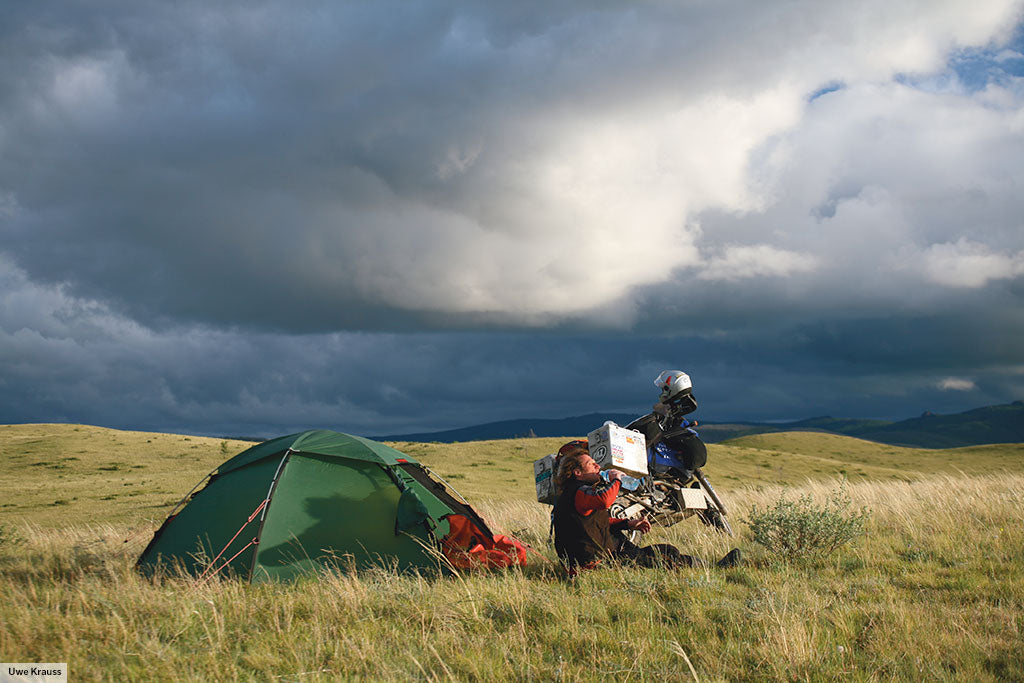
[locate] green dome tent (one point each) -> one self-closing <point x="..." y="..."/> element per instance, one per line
<point x="296" y="504"/>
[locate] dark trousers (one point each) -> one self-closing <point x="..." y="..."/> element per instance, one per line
<point x="657" y="555"/>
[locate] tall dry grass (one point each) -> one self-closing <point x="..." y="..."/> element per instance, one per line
<point x="934" y="590"/>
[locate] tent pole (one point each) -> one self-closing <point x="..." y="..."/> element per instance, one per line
<point x="263" y="515"/>
<point x="175" y="510"/>
<point x="449" y="486"/>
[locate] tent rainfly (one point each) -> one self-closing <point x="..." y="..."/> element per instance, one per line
<point x="296" y="504"/>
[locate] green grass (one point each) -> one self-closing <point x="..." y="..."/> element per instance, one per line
<point x="880" y="460"/>
<point x="57" y="474"/>
<point x="934" y="590"/>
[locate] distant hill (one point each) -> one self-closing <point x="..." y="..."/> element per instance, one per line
<point x="991" y="424"/>
<point x="580" y="425"/>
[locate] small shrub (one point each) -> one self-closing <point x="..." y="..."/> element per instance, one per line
<point x="802" y="530"/>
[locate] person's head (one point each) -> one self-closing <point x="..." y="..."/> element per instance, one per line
<point x="574" y="447"/>
<point x="578" y="465"/>
<point x="570" y="449"/>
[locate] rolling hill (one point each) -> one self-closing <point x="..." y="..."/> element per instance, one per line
<point x="991" y="424"/>
<point x="58" y="474"/>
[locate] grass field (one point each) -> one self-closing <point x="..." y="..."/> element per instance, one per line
<point x="934" y="590"/>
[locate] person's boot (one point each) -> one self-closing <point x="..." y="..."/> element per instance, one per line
<point x="733" y="558"/>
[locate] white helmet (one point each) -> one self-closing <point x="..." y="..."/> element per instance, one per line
<point x="673" y="383"/>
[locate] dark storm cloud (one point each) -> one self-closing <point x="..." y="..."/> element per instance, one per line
<point x="324" y="166"/>
<point x="82" y="363"/>
<point x="79" y="362"/>
<point x="390" y="217"/>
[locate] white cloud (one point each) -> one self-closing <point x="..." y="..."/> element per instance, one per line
<point x="457" y="161"/>
<point x="966" y="263"/>
<point x="957" y="384"/>
<point x="894" y="194"/>
<point x="761" y="260"/>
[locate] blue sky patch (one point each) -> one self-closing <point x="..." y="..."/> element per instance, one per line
<point x="831" y="86"/>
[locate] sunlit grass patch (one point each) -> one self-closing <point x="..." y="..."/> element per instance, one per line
<point x="934" y="589"/>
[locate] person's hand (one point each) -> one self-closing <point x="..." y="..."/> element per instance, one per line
<point x="614" y="475"/>
<point x="641" y="525"/>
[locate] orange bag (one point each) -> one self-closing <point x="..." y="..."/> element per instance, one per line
<point x="467" y="547"/>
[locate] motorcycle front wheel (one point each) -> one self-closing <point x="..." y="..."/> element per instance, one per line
<point x="713" y="517"/>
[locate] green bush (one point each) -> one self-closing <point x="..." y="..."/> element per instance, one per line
<point x="801" y="530"/>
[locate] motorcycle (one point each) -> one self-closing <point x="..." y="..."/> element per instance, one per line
<point x="676" y="487"/>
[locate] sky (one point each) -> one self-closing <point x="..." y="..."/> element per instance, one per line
<point x="254" y="218"/>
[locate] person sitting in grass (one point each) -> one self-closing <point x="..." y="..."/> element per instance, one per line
<point x="586" y="535"/>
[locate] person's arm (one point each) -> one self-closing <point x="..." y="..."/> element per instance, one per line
<point x="639" y="523"/>
<point x="596" y="496"/>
